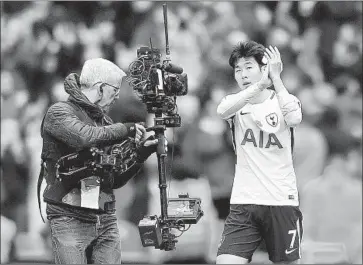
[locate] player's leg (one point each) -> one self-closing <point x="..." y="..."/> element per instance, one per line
<point x="241" y="236"/>
<point x="282" y="231"/>
<point x="231" y="259"/>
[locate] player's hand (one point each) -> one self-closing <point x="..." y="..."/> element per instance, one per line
<point x="274" y="61"/>
<point x="265" y="81"/>
<point x="140" y="132"/>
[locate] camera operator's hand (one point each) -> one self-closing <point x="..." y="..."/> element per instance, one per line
<point x="150" y="141"/>
<point x="146" y="148"/>
<point x="135" y="130"/>
<point x="140" y="132"/>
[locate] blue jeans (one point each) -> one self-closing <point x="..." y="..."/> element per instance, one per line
<point x="78" y="242"/>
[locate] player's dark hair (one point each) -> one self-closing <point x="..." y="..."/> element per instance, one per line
<point x="247" y="49"/>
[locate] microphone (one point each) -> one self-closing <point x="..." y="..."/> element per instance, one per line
<point x="174" y="69"/>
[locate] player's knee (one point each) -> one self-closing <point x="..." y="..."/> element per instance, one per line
<point x="230" y="259"/>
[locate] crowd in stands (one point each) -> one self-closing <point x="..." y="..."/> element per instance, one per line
<point x="321" y="47"/>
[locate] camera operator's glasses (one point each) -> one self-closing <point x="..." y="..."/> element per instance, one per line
<point x="117" y="89"/>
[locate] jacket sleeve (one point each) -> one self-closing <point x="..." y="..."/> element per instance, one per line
<point x="62" y="123"/>
<point x="290" y="107"/>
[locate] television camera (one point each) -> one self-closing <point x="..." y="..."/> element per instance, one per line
<point x="158" y="83"/>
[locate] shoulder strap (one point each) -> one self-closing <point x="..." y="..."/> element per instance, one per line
<point x="41" y="173"/>
<point x="39" y="184"/>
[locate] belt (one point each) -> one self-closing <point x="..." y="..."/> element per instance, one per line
<point x="106" y="201"/>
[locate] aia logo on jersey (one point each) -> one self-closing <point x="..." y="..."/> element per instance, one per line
<point x="260" y="141"/>
<point x="272" y="119"/>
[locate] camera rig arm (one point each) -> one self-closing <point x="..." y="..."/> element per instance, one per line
<point x="175" y="212"/>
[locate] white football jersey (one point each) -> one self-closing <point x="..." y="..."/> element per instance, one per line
<point x="264" y="172"/>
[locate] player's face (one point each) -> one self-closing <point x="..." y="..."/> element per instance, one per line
<point x="247" y="72"/>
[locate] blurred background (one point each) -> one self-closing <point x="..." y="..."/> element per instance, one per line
<point x="321" y="47"/>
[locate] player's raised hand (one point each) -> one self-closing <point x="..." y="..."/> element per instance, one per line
<point x="265" y="81"/>
<point x="273" y="57"/>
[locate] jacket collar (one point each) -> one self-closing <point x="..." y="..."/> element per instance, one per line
<point x="73" y="88"/>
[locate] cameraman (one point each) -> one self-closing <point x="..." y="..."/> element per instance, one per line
<point x="82" y="218"/>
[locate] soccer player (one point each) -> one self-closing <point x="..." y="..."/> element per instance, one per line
<point x="264" y="200"/>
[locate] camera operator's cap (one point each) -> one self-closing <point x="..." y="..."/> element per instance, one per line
<point x="267" y="116"/>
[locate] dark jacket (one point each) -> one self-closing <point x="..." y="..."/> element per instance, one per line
<point x="74" y="125"/>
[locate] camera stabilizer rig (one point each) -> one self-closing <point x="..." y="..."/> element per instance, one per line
<point x="157" y="85"/>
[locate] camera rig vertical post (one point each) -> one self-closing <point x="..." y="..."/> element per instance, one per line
<point x="161" y="153"/>
<point x="168" y="239"/>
